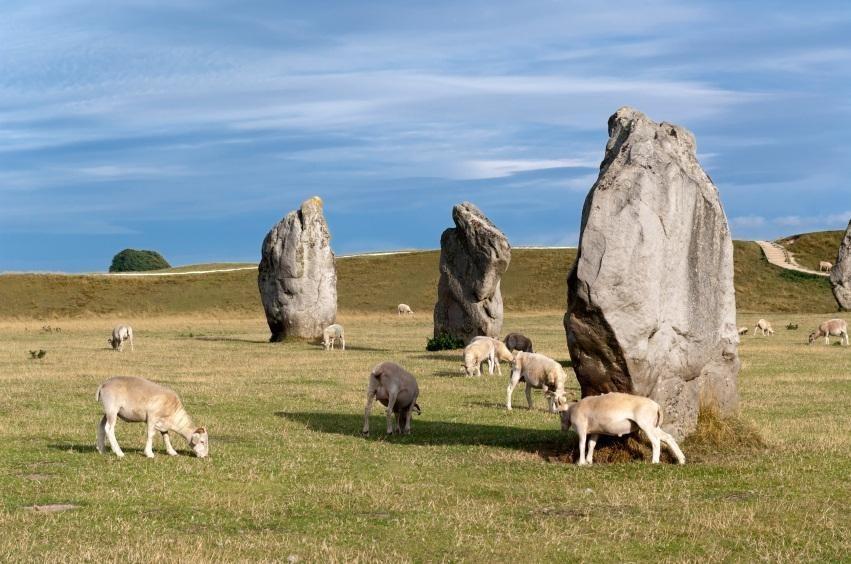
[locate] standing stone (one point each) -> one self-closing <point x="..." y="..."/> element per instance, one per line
<point x="840" y="276"/>
<point x="651" y="303"/>
<point x="297" y="277"/>
<point x="473" y="257"/>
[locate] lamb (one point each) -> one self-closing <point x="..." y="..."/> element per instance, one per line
<point x="617" y="414"/>
<point x="831" y="328"/>
<point x="404" y="309"/>
<point x="136" y="400"/>
<point x="743" y="330"/>
<point x="120" y="334"/>
<point x="541" y="372"/>
<point x="498" y="353"/>
<point x="397" y="389"/>
<point x="825" y="266"/>
<point x="332" y="334"/>
<point x="764" y="327"/>
<point x="477" y="352"/>
<point x="518" y="342"/>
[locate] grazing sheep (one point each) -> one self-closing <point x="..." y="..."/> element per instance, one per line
<point x="404" y="308"/>
<point x="332" y="334"/>
<point x="825" y="266"/>
<point x="120" y="334"/>
<point x="395" y="388"/>
<point x="831" y="328"/>
<point x="137" y="400"/>
<point x="538" y="371"/>
<point x="477" y="352"/>
<point x="743" y="330"/>
<point x="498" y="353"/>
<point x="617" y="414"/>
<point x="518" y="342"/>
<point x="764" y="327"/>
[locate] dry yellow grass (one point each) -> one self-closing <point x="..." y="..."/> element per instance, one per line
<point x="290" y="474"/>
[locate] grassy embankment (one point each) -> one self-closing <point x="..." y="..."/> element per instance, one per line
<point x="811" y="248"/>
<point x="534" y="282"/>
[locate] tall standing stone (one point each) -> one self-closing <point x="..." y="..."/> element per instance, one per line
<point x="651" y="302"/>
<point x="473" y="257"/>
<point x="840" y="276"/>
<point x="297" y="277"/>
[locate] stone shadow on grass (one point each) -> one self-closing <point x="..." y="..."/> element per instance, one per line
<point x="423" y="432"/>
<point x="231" y="340"/>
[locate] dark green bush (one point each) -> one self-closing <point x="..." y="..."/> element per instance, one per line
<point x="444" y="342"/>
<point x="132" y="260"/>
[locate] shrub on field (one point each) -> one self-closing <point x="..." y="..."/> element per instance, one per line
<point x="132" y="260"/>
<point x="444" y="342"/>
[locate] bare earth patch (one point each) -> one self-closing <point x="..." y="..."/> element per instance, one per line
<point x="52" y="507"/>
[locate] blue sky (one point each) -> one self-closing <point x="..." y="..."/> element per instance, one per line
<point x="191" y="127"/>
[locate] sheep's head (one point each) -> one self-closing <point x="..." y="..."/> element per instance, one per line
<point x="200" y="442"/>
<point x="113" y="342"/>
<point x="813" y="336"/>
<point x="417" y="409"/>
<point x="564" y="413"/>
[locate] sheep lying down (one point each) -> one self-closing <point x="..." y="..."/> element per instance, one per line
<point x="617" y="414"/>
<point x="137" y="400"/>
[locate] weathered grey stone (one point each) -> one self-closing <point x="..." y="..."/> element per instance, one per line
<point x="651" y="303"/>
<point x="840" y="276"/>
<point x="297" y="277"/>
<point x="473" y="257"/>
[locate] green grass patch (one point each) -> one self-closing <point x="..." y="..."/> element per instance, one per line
<point x="811" y="248"/>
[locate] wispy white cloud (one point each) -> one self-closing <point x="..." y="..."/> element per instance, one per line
<point x="478" y="169"/>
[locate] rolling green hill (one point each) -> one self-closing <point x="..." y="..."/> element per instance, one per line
<point x="536" y="281"/>
<point x="811" y="248"/>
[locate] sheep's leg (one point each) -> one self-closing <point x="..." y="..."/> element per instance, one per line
<point x="529" y="395"/>
<point x="391" y="403"/>
<point x="109" y="427"/>
<point x="582" y="436"/>
<point x="370" y="397"/>
<point x="846" y="338"/>
<point x="592" y="443"/>
<point x="408" y="413"/>
<point x="101" y="434"/>
<point x="168" y="448"/>
<point x="132" y="348"/>
<point x="512" y="383"/>
<point x="491" y="361"/>
<point x="654" y="440"/>
<point x="343" y="342"/>
<point x="827" y="339"/>
<point x="498" y="369"/>
<point x="149" y="442"/>
<point x="671" y="444"/>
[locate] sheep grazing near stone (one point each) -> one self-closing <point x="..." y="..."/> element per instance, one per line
<point x="617" y="414"/>
<point x="332" y="334"/>
<point x="404" y="309"/>
<point x="763" y="327"/>
<point x="499" y="353"/>
<point x="541" y="372"/>
<point x="743" y="330"/>
<point x="825" y="266"/>
<point x="120" y="334"/>
<point x="136" y="400"/>
<point x="477" y="352"/>
<point x="831" y="328"/>
<point x="396" y="389"/>
<point x="518" y="342"/>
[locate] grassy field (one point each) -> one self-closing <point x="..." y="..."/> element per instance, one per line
<point x="811" y="248"/>
<point x="290" y="475"/>
<point x="535" y="281"/>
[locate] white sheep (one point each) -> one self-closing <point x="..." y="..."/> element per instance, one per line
<point x="137" y="400"/>
<point x="831" y="328"/>
<point x="538" y="371"/>
<point x="395" y="388"/>
<point x="825" y="266"/>
<point x="120" y="334"/>
<point x="499" y="353"/>
<point x="332" y="334"/>
<point x="617" y="414"/>
<point x="764" y="327"/>
<point x="404" y="309"/>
